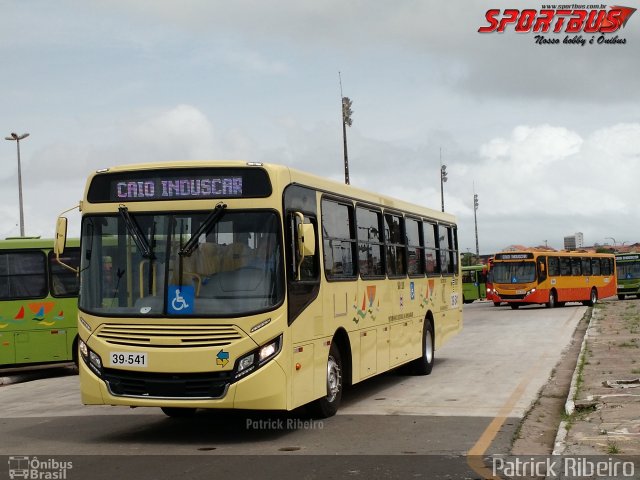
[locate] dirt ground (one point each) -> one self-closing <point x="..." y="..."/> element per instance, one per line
<point x="606" y="419"/>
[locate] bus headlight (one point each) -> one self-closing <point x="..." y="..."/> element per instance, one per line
<point x="95" y="359"/>
<point x="257" y="358"/>
<point x="91" y="358"/>
<point x="84" y="351"/>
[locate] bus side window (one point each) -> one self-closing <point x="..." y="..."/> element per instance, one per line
<point x="553" y="266"/>
<point x="542" y="269"/>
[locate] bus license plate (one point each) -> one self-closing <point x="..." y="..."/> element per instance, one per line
<point x="519" y="292"/>
<point x="128" y="359"/>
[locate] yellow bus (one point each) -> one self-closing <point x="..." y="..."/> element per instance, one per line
<point x="552" y="278"/>
<point x="251" y="286"/>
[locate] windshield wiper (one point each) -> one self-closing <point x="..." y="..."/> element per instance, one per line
<point x="205" y="228"/>
<point x="136" y="233"/>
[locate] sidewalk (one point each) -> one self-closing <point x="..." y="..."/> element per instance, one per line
<point x="603" y="409"/>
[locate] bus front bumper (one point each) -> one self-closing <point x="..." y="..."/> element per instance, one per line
<point x="524" y="297"/>
<point x="265" y="389"/>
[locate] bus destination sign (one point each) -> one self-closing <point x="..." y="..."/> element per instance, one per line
<point x="179" y="184"/>
<point x="155" y="189"/>
<point x="514" y="256"/>
<point x="626" y="258"/>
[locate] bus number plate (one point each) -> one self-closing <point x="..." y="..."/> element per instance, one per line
<point x="520" y="292"/>
<point x="128" y="359"/>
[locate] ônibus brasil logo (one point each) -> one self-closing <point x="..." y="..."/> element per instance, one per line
<point x="567" y="19"/>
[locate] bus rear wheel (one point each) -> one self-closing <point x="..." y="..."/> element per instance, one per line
<point x="553" y="300"/>
<point x="593" y="298"/>
<point x="424" y="364"/>
<point x="328" y="406"/>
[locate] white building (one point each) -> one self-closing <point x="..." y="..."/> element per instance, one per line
<point x="574" y="242"/>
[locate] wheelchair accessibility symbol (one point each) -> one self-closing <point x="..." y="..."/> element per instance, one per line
<point x="180" y="299"/>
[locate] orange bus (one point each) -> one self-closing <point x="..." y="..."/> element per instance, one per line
<point x="553" y="278"/>
<point x="489" y="285"/>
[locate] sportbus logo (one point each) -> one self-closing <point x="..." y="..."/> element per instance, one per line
<point x="595" y="21"/>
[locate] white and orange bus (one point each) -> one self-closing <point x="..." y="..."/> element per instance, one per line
<point x="253" y="286"/>
<point x="552" y="278"/>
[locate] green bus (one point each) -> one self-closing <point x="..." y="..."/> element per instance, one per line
<point x="38" y="304"/>
<point x="474" y="283"/>
<point x="628" y="267"/>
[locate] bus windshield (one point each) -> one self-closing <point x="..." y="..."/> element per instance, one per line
<point x="628" y="270"/>
<point x="514" y="272"/>
<point x="233" y="268"/>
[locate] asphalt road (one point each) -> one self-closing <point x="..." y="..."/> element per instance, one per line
<point x="392" y="426"/>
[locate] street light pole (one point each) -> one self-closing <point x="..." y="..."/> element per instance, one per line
<point x="443" y="179"/>
<point x="475" y="219"/>
<point x="16" y="138"/>
<point x="346" y="122"/>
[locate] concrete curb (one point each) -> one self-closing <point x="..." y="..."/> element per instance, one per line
<point x="7" y="380"/>
<point x="570" y="406"/>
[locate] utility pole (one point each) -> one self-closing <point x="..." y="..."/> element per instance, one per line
<point x="443" y="179"/>
<point x="475" y="219"/>
<point x="346" y="122"/>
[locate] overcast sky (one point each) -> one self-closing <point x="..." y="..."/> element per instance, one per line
<point x="548" y="134"/>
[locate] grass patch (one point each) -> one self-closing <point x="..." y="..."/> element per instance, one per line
<point x="612" y="448"/>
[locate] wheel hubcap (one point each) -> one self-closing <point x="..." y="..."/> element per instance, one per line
<point x="428" y="348"/>
<point x="334" y="379"/>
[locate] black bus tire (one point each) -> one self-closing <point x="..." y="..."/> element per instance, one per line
<point x="328" y="405"/>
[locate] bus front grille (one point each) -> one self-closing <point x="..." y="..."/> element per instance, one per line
<point x="169" y="336"/>
<point x="167" y="385"/>
<point x="512" y="297"/>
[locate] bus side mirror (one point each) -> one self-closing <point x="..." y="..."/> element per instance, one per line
<point x="61" y="236"/>
<point x="60" y="241"/>
<point x="306" y="240"/>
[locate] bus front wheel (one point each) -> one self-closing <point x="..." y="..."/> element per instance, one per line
<point x="328" y="406"/>
<point x="424" y="364"/>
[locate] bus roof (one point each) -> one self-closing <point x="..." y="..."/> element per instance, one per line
<point x="19" y="243"/>
<point x="531" y="254"/>
<point x="284" y="176"/>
